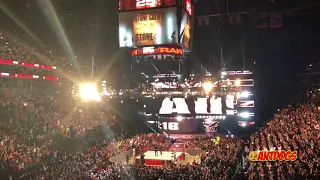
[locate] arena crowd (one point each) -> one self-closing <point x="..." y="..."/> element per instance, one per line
<point x="17" y="46"/>
<point x="52" y="136"/>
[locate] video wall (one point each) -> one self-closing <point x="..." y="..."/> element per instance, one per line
<point x="129" y="5"/>
<point x="197" y="106"/>
<point x="152" y="50"/>
<point x="148" y="27"/>
<point x="241" y="105"/>
<point x="192" y="106"/>
<point x="188" y="125"/>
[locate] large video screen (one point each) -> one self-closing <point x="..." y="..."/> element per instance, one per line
<point x="191" y="106"/>
<point x="200" y="106"/>
<point x="157" y="51"/>
<point x="148" y="27"/>
<point x="188" y="125"/>
<point x="128" y="5"/>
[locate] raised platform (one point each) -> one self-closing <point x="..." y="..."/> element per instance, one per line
<point x="152" y="160"/>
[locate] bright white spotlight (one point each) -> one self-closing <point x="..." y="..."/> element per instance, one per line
<point x="245" y="94"/>
<point x="207" y="86"/>
<point x="237" y="82"/>
<point x="89" y="92"/>
<point x="98" y="98"/>
<point x="245" y="115"/>
<point x="179" y="118"/>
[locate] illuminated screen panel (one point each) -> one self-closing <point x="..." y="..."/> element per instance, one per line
<point x="27" y="76"/>
<point x="129" y="5"/>
<point x="157" y="50"/>
<point x="201" y="106"/>
<point x="181" y="125"/>
<point x="186" y="28"/>
<point x="165" y="85"/>
<point x="233" y="105"/>
<point x="188" y="7"/>
<point x="191" y="106"/>
<point x="25" y="64"/>
<point x="148" y="27"/>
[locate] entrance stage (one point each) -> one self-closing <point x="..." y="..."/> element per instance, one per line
<point x="167" y="156"/>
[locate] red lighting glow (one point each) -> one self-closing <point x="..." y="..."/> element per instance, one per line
<point x="26" y="64"/>
<point x="145" y="4"/>
<point x="188" y="7"/>
<point x="128" y="5"/>
<point x="157" y="50"/>
<point x="27" y="76"/>
<point x="50" y="78"/>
